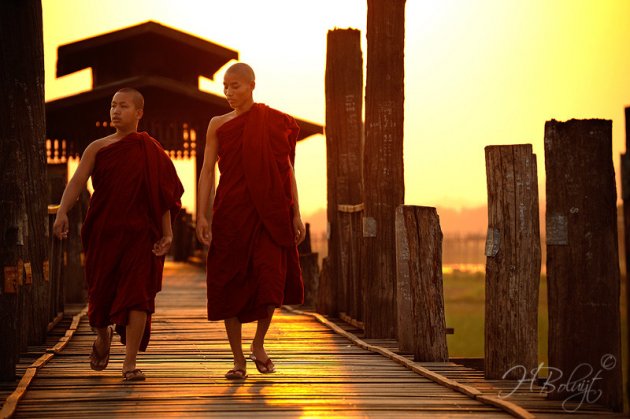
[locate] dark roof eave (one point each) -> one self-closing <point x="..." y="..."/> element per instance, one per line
<point x="307" y="128"/>
<point x="65" y="52"/>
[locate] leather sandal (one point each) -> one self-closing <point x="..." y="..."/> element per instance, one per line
<point x="99" y="363"/>
<point x="236" y="374"/>
<point x="134" y="375"/>
<point x="268" y="366"/>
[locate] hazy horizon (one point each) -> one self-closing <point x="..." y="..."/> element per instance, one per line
<point x="477" y="73"/>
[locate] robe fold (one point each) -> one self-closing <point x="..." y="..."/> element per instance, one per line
<point x="253" y="260"/>
<point x="135" y="183"/>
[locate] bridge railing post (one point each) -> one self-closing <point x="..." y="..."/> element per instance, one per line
<point x="512" y="261"/>
<point x="583" y="255"/>
<point x="344" y="108"/>
<point x="420" y="294"/>
<point x="310" y="269"/>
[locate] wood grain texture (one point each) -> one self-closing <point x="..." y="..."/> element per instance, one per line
<point x="324" y="370"/>
<point x="344" y="146"/>
<point x="23" y="188"/>
<point x="383" y="173"/>
<point x="421" y="319"/>
<point x="625" y="196"/>
<point x="513" y="261"/>
<point x="319" y="372"/>
<point x="583" y="272"/>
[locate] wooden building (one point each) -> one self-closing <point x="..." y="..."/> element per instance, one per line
<point x="162" y="63"/>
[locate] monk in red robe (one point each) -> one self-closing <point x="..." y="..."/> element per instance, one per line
<point x="127" y="230"/>
<point x="255" y="225"/>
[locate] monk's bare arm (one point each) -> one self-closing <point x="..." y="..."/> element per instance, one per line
<point x="74" y="188"/>
<point x="298" y="225"/>
<point x="206" y="182"/>
<point x="163" y="246"/>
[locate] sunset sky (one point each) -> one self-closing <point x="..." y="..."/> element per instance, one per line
<point x="477" y="73"/>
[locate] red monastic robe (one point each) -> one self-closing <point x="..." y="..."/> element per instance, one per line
<point x="253" y="260"/>
<point x="135" y="183"/>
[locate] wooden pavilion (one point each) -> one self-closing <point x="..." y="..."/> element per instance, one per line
<point x="161" y="62"/>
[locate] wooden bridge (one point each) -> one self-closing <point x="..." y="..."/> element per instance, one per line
<point x="324" y="368"/>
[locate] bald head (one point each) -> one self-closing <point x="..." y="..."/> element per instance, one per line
<point x="241" y="70"/>
<point x="136" y="96"/>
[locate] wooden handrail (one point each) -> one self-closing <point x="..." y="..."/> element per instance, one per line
<point x="53" y="209"/>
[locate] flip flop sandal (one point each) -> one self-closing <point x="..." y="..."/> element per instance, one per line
<point x="134" y="375"/>
<point x="268" y="366"/>
<point x="236" y="374"/>
<point x="100" y="363"/>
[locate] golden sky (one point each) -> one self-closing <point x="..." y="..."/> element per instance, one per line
<point x="477" y="73"/>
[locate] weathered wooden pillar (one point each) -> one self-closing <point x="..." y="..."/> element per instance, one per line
<point x="421" y="320"/>
<point x="582" y="257"/>
<point x="383" y="173"/>
<point x="351" y="238"/>
<point x="625" y="194"/>
<point x="310" y="269"/>
<point x="22" y="163"/>
<point x="75" y="290"/>
<point x="513" y="261"/>
<point x="344" y="99"/>
<point x="326" y="299"/>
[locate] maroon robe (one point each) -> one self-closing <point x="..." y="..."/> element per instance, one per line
<point x="253" y="260"/>
<point x="135" y="183"/>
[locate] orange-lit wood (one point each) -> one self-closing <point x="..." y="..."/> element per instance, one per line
<point x="320" y="373"/>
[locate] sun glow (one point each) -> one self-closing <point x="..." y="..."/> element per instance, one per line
<point x="476" y="73"/>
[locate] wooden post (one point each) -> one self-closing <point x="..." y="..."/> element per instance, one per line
<point x="75" y="290"/>
<point x="421" y="320"/>
<point x="344" y="99"/>
<point x="325" y="294"/>
<point x="22" y="161"/>
<point x="383" y="161"/>
<point x="351" y="238"/>
<point x="582" y="256"/>
<point x="625" y="194"/>
<point x="310" y="269"/>
<point x="513" y="261"/>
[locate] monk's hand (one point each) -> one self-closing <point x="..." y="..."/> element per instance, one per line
<point x="162" y="246"/>
<point x="204" y="235"/>
<point x="299" y="229"/>
<point x="61" y="226"/>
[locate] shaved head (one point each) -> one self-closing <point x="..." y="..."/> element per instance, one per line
<point x="137" y="98"/>
<point x="242" y="70"/>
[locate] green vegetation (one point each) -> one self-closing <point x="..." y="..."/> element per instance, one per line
<point x="464" y="295"/>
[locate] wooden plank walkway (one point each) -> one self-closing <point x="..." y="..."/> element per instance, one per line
<point x="319" y="373"/>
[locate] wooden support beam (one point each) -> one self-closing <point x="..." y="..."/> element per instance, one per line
<point x="582" y="256"/>
<point x="421" y="320"/>
<point x="310" y="269"/>
<point x="383" y="174"/>
<point x="513" y="262"/>
<point x="23" y="187"/>
<point x="625" y="195"/>
<point x="344" y="109"/>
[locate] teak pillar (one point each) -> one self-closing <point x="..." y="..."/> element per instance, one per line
<point x="23" y="194"/>
<point x="582" y="255"/>
<point x="383" y="174"/>
<point x="344" y="108"/>
<point x="625" y="194"/>
<point x="421" y="319"/>
<point x="513" y="261"/>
